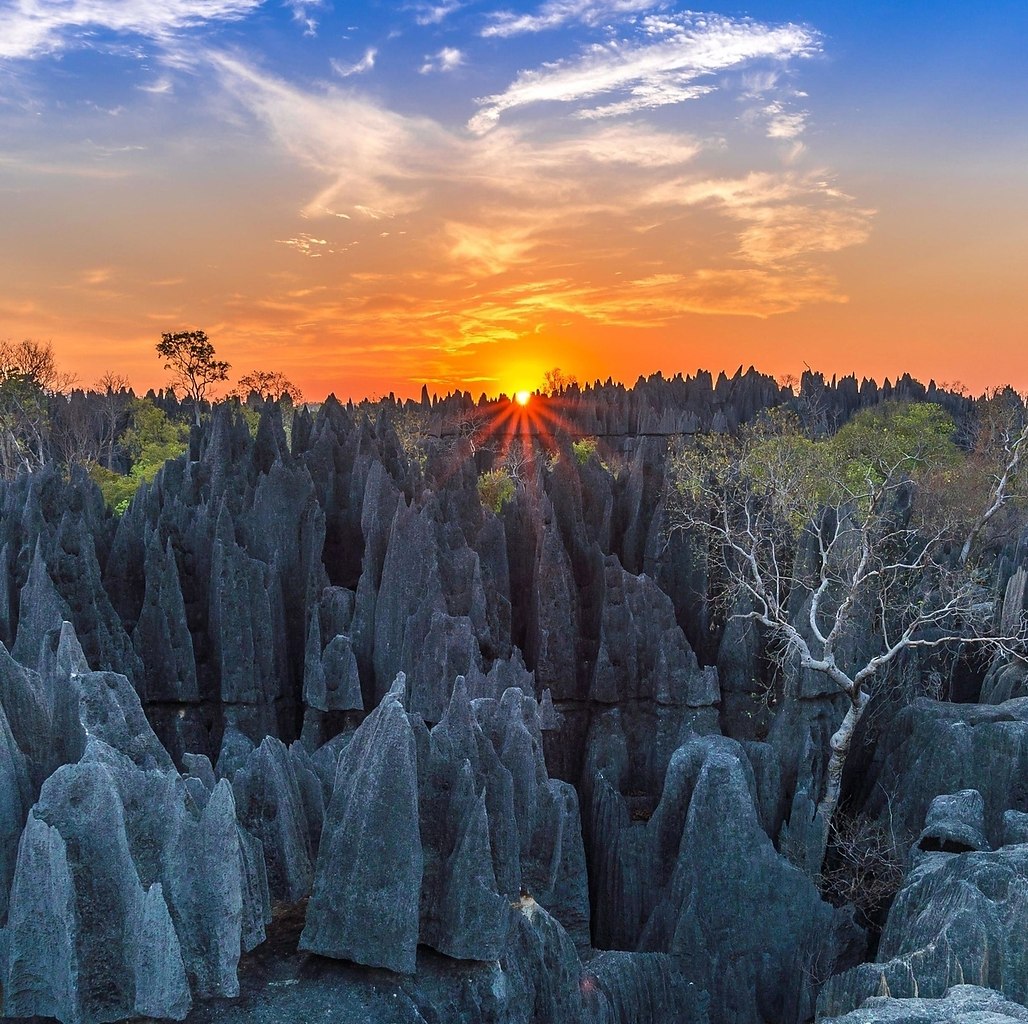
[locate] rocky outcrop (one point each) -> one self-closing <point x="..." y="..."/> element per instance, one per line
<point x="937" y="748"/>
<point x="248" y="616"/>
<point x="960" y="918"/>
<point x="970" y="1003"/>
<point x="433" y="835"/>
<point x="739" y="915"/>
<point x="132" y="892"/>
<point x="364" y="906"/>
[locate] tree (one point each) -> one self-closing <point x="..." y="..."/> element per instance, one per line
<point x="114" y="398"/>
<point x="556" y="381"/>
<point x="190" y="357"/>
<point x="29" y="380"/>
<point x="999" y="454"/>
<point x="268" y="384"/>
<point x="846" y="551"/>
<point x="35" y="361"/>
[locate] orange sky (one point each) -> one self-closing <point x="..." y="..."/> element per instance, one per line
<point x="502" y="207"/>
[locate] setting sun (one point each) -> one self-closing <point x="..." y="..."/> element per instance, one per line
<point x="522" y="397"/>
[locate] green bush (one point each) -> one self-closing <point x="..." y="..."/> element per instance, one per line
<point x="584" y="449"/>
<point x="116" y="489"/>
<point x="495" y="489"/>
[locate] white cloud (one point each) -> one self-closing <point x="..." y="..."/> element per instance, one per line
<point x="433" y="14"/>
<point x="562" y="12"/>
<point x="159" y="86"/>
<point x="302" y="14"/>
<point x="646" y="96"/>
<point x="447" y="59"/>
<point x="307" y="245"/>
<point x="783" y="123"/>
<point x="371" y="165"/>
<point x="658" y="70"/>
<point x="366" y="63"/>
<point x="33" y="28"/>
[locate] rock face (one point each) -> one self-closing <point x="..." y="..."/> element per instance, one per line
<point x="960" y="917"/>
<point x="960" y="1003"/>
<point x="364" y="906"/>
<point x="938" y="748"/>
<point x="131" y="893"/>
<point x="506" y="765"/>
<point x="739" y="915"/>
<point x="432" y="836"/>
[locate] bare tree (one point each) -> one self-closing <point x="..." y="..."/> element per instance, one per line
<point x="827" y="542"/>
<point x="29" y="381"/>
<point x="190" y="357"/>
<point x="114" y="399"/>
<point x="556" y="380"/>
<point x="35" y="361"/>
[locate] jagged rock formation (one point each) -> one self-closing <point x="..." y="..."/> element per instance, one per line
<point x="960" y="917"/>
<point x="130" y="889"/>
<point x="937" y="748"/>
<point x="960" y="1003"/>
<point x="312" y="724"/>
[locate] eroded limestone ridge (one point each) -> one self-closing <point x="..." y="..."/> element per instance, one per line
<point x="319" y="725"/>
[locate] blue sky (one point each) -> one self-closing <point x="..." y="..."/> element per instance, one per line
<point x="468" y="193"/>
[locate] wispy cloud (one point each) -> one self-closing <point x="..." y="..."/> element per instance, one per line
<point x="447" y="59"/>
<point x="566" y="206"/>
<point x="302" y="14"/>
<point x="366" y="63"/>
<point x="783" y="123"/>
<point x="33" y="28"/>
<point x="558" y="13"/>
<point x="70" y="169"/>
<point x="96" y="276"/>
<point x="158" y="87"/>
<point x="660" y="68"/>
<point x="493" y="235"/>
<point x="308" y="245"/>
<point x="371" y="166"/>
<point x="434" y="14"/>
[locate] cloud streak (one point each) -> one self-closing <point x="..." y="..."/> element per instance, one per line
<point x="366" y="63"/>
<point x="339" y="217"/>
<point x="34" y="28"/>
<point x="494" y="236"/>
<point x="558" y="13"/>
<point x="659" y="69"/>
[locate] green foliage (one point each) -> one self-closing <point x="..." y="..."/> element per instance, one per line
<point x="894" y="439"/>
<point x="795" y="477"/>
<point x="24" y="422"/>
<point x="117" y="490"/>
<point x="495" y="489"/>
<point x="584" y="449"/>
<point x="153" y="438"/>
<point x="151" y="441"/>
<point x="251" y="417"/>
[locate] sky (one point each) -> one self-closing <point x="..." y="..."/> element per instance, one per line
<point x="368" y="197"/>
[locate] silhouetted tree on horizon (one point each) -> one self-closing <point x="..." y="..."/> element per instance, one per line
<point x="190" y="357"/>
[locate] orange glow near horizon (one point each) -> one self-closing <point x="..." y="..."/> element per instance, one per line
<point x="479" y="225"/>
<point x="522" y="397"/>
